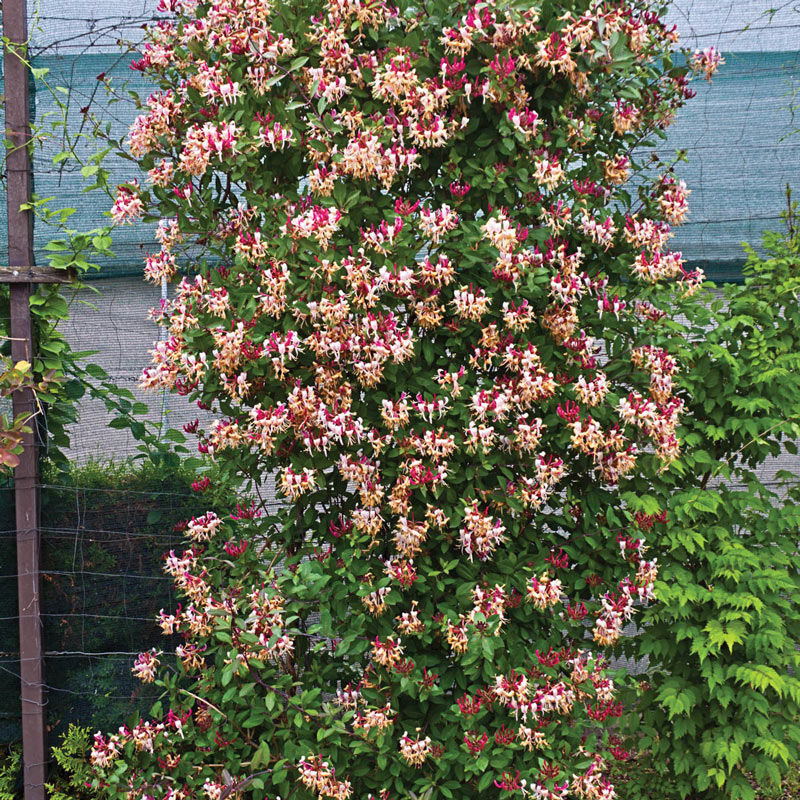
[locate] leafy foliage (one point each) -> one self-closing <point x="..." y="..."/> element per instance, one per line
<point x="14" y="377"/>
<point x="59" y="376"/>
<point x="55" y="372"/>
<point x="420" y="298"/>
<point x="723" y="706"/>
<point x="9" y="772"/>
<point x="69" y="773"/>
<point x="72" y="769"/>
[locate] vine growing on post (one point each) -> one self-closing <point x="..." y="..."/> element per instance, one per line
<point x="418" y="291"/>
<point x="56" y="373"/>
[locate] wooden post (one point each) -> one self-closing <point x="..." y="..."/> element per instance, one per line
<point x="26" y="475"/>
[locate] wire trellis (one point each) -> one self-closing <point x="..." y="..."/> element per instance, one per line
<point x="102" y="582"/>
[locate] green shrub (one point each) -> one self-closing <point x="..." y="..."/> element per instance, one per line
<point x="70" y="774"/>
<point x="10" y="767"/>
<point x="723" y="707"/>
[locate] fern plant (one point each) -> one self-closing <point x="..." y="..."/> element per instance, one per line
<point x="72" y="760"/>
<point x="9" y="772"/>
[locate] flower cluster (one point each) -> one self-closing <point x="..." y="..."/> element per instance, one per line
<point x="316" y="774"/>
<point x="707" y="61"/>
<point x="422" y="312"/>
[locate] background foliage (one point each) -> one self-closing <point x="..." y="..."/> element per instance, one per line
<point x="721" y="709"/>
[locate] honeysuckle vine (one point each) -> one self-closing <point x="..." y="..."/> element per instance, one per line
<point x="420" y="251"/>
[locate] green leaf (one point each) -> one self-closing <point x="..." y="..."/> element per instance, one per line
<point x="730" y="634"/>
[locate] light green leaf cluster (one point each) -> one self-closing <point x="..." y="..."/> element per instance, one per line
<point x="724" y="710"/>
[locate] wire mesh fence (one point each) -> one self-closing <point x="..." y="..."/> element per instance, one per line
<point x="102" y="537"/>
<point x="102" y="587"/>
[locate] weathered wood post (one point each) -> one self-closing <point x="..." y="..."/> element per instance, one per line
<point x="26" y="477"/>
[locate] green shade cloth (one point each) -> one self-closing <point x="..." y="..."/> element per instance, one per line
<point x="737" y="133"/>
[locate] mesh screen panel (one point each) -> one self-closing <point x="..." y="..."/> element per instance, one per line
<point x="102" y="546"/>
<point x="102" y="587"/>
<point x="736" y="132"/>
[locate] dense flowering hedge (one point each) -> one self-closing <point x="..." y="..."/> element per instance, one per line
<point x="420" y="296"/>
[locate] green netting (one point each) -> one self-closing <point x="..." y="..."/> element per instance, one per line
<point x="64" y="182"/>
<point x="102" y="543"/>
<point x="741" y="155"/>
<point x="736" y="134"/>
<point x="102" y="552"/>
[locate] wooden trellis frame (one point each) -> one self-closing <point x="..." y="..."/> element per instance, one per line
<point x="21" y="278"/>
<point x="35" y="275"/>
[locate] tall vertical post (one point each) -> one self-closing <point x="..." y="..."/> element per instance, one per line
<point x="26" y="477"/>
